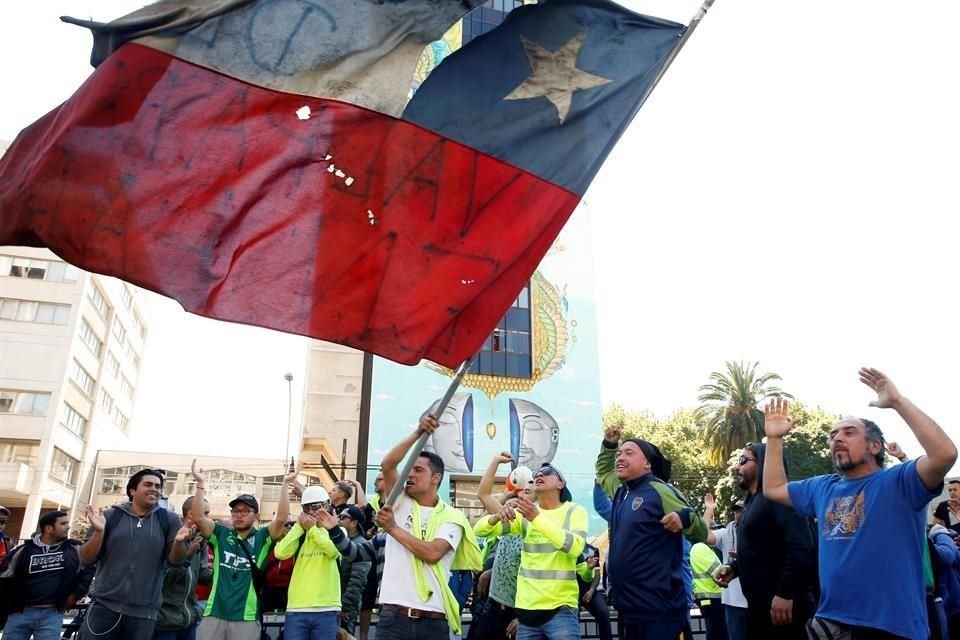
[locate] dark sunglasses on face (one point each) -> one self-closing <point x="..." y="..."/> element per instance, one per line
<point x="545" y="471"/>
<point x="343" y="515"/>
<point x="313" y="506"/>
<point x="745" y="459"/>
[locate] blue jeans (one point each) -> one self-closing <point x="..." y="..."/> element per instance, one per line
<point x="564" y="625"/>
<point x="396" y="626"/>
<point x="736" y="622"/>
<point x="190" y="633"/>
<point x="320" y="625"/>
<point x="43" y="622"/>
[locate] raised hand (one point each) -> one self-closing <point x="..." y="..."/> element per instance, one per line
<point x="326" y="520"/>
<point x="291" y="475"/>
<point x="502" y="458"/>
<point x="96" y="518"/>
<point x="186" y="531"/>
<point x="429" y="423"/>
<point x="198" y="472"/>
<point x="887" y="393"/>
<point x="612" y="433"/>
<point x="710" y="502"/>
<point x="894" y="449"/>
<point x="776" y="422"/>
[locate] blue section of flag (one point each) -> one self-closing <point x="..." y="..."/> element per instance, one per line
<point x="464" y="98"/>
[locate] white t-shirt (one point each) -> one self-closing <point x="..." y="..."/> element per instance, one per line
<point x="398" y="585"/>
<point x="727" y="542"/>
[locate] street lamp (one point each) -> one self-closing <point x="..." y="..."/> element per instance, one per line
<point x="289" y="378"/>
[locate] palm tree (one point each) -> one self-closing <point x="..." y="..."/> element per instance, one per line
<point x="728" y="411"/>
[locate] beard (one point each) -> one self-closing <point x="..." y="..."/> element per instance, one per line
<point x="848" y="463"/>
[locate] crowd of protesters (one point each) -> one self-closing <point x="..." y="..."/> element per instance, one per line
<point x="841" y="556"/>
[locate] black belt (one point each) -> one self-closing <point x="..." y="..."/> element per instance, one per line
<point x="410" y="612"/>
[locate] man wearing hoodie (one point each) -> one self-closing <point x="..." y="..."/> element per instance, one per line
<point x="45" y="578"/>
<point x="648" y="521"/>
<point x="131" y="544"/>
<point x="313" y="599"/>
<point x="775" y="558"/>
<point x="180" y="612"/>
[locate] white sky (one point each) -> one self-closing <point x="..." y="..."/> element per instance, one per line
<point x="787" y="195"/>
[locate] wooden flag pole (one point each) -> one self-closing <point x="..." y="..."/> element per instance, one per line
<point x="694" y="23"/>
<point x="422" y="440"/>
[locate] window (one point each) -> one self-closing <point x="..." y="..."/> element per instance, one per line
<point x="226" y="483"/>
<point x="83" y="379"/>
<point x="138" y="325"/>
<point x="105" y="401"/>
<point x="486" y="17"/>
<point x="64" y="468"/>
<point x="507" y="352"/>
<point x="99" y="302"/>
<point x="113" y="480"/>
<point x="126" y="387"/>
<point x="118" y="330"/>
<point x="90" y="339"/>
<point x="125" y="294"/>
<point x="27" y="403"/>
<point x="72" y="420"/>
<point x="22" y="451"/>
<point x="49" y="270"/>
<point x="132" y="355"/>
<point x="271" y="487"/>
<point x="119" y="419"/>
<point x="113" y="364"/>
<point x="32" y="311"/>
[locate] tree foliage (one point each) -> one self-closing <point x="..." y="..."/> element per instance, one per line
<point x="728" y="409"/>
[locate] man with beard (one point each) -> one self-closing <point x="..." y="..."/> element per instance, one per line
<point x="864" y="512"/>
<point x="775" y="558"/>
<point x="648" y="521"/>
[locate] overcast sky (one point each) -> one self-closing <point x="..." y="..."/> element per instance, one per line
<point x="787" y="195"/>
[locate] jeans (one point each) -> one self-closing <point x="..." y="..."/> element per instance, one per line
<point x="564" y="625"/>
<point x="190" y="633"/>
<point x="655" y="629"/>
<point x="396" y="626"/>
<point x="102" y="623"/>
<point x="601" y="613"/>
<point x="736" y="622"/>
<point x="315" y="625"/>
<point x="43" y="622"/>
<point x="713" y="618"/>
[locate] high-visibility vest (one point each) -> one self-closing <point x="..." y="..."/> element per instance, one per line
<point x="705" y="564"/>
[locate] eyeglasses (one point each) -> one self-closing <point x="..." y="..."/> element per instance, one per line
<point x="545" y="471"/>
<point x="745" y="459"/>
<point x="241" y="512"/>
<point x="287" y="525"/>
<point x="343" y="515"/>
<point x="314" y="506"/>
<point x="3" y="521"/>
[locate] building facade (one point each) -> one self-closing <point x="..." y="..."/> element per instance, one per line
<point x="71" y="352"/>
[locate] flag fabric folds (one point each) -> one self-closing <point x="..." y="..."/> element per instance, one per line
<point x="257" y="160"/>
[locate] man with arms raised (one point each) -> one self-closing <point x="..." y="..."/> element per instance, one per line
<point x="863" y="512"/>
<point x="425" y="539"/>
<point x="232" y="611"/>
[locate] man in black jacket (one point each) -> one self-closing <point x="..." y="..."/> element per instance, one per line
<point x="776" y="558"/>
<point x="42" y="577"/>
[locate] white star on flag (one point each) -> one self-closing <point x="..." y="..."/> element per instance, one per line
<point x="555" y="75"/>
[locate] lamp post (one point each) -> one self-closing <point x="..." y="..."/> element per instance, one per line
<point x="289" y="378"/>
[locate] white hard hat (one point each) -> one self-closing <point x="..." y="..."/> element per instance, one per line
<point x="314" y="494"/>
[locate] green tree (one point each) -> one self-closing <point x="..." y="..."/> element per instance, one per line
<point x="728" y="408"/>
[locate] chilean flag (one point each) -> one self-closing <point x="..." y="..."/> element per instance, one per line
<point x="259" y="161"/>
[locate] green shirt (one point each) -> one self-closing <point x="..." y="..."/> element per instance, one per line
<point x="232" y="596"/>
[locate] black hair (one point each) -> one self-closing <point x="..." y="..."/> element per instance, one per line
<point x="135" y="479"/>
<point x="953" y="481"/>
<point x="875" y="434"/>
<point x="435" y="462"/>
<point x="344" y="486"/>
<point x="49" y="519"/>
<point x="759" y="451"/>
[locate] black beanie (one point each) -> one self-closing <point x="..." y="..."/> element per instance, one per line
<point x="659" y="465"/>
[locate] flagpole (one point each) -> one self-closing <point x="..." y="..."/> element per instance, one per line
<point x="422" y="440"/>
<point x="694" y="23"/>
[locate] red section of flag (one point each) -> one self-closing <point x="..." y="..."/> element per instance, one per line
<point x="344" y="224"/>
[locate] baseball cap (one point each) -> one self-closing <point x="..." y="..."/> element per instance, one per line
<point x="548" y="469"/>
<point x="738" y="506"/>
<point x="247" y="499"/>
<point x="355" y="513"/>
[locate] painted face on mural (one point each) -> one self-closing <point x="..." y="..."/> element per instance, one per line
<point x="448" y="440"/>
<point x="539" y="433"/>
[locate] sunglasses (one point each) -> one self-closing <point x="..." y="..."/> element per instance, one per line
<point x="314" y="506"/>
<point x="343" y="515"/>
<point x="241" y="512"/>
<point x="3" y="521"/>
<point x="745" y="459"/>
<point x="545" y="471"/>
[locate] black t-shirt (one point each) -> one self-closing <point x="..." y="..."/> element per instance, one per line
<point x="943" y="513"/>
